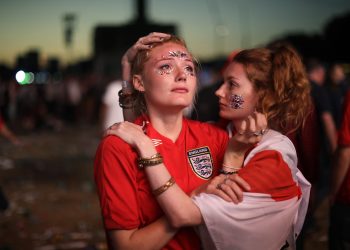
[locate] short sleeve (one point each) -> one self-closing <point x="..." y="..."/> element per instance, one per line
<point x="268" y="173"/>
<point x="115" y="178"/>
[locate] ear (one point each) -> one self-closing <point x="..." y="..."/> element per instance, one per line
<point x="137" y="82"/>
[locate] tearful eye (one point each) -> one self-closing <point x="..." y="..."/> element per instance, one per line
<point x="164" y="69"/>
<point x="189" y="70"/>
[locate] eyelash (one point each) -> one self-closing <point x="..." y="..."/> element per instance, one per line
<point x="189" y="70"/>
<point x="232" y="84"/>
<point x="167" y="69"/>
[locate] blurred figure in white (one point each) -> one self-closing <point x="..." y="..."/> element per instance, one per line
<point x="110" y="110"/>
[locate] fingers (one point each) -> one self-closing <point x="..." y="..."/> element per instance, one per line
<point x="243" y="128"/>
<point x="240" y="182"/>
<point x="260" y="122"/>
<point x="147" y="41"/>
<point x="142" y="43"/>
<point x="214" y="187"/>
<point x="232" y="190"/>
<point x="255" y="125"/>
<point x="228" y="187"/>
<point x="119" y="127"/>
<point x="251" y="125"/>
<point x="217" y="190"/>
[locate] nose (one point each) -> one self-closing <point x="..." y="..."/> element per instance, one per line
<point x="181" y="74"/>
<point x="220" y="92"/>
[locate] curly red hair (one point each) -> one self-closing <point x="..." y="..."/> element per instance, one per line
<point x="280" y="80"/>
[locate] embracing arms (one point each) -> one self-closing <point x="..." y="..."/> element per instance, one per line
<point x="178" y="207"/>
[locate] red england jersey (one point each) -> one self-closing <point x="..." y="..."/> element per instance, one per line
<point x="125" y="195"/>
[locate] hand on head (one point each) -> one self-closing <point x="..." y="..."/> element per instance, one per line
<point x="142" y="43"/>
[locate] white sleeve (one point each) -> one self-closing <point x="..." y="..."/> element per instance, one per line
<point x="258" y="222"/>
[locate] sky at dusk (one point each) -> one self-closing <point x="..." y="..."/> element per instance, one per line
<point x="210" y="27"/>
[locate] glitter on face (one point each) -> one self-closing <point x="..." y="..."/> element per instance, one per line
<point x="236" y="101"/>
<point x="179" y="54"/>
<point x="168" y="69"/>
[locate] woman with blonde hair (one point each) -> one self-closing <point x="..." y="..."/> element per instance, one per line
<point x="265" y="85"/>
<point x="164" y="76"/>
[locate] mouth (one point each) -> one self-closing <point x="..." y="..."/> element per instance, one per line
<point x="222" y="105"/>
<point x="180" y="90"/>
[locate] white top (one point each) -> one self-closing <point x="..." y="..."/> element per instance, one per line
<point x="259" y="221"/>
<point x="110" y="99"/>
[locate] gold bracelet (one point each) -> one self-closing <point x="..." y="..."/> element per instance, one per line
<point x="151" y="161"/>
<point x="229" y="167"/>
<point x="164" y="188"/>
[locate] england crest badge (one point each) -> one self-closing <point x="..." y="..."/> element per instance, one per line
<point x="201" y="162"/>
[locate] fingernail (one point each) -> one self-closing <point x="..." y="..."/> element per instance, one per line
<point x="150" y="46"/>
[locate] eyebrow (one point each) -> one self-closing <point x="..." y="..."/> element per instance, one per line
<point x="164" y="58"/>
<point x="231" y="78"/>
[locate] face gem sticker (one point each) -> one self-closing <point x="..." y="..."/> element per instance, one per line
<point x="168" y="69"/>
<point x="236" y="101"/>
<point x="179" y="54"/>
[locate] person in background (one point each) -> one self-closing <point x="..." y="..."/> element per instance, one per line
<point x="336" y="87"/>
<point x="327" y="127"/>
<point x="339" y="228"/>
<point x="8" y="134"/>
<point x="110" y="110"/>
<point x="317" y="74"/>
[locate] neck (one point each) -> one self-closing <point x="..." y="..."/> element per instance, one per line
<point x="167" y="124"/>
<point x="236" y="124"/>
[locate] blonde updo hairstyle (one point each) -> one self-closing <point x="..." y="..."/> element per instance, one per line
<point x="137" y="68"/>
<point x="279" y="77"/>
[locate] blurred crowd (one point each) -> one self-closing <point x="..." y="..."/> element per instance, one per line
<point x="76" y="99"/>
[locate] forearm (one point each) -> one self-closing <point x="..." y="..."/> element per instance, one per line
<point x="340" y="168"/>
<point x="126" y="69"/>
<point x="4" y="131"/>
<point x="234" y="156"/>
<point x="177" y="205"/>
<point x="153" y="236"/>
<point x="128" y="113"/>
<point x="330" y="130"/>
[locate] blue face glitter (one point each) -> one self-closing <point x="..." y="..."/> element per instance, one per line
<point x="236" y="101"/>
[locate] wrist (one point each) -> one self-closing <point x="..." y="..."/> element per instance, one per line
<point x="237" y="148"/>
<point x="145" y="147"/>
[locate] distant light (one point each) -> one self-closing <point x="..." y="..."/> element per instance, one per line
<point x="20" y="76"/>
<point x="30" y="77"/>
<point x="24" y="77"/>
<point x="41" y="77"/>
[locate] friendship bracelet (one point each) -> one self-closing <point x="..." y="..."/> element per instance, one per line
<point x="151" y="161"/>
<point x="165" y="187"/>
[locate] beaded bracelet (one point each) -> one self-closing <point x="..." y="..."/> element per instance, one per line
<point x="221" y="171"/>
<point x="151" y="161"/>
<point x="164" y="188"/>
<point x="125" y="99"/>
